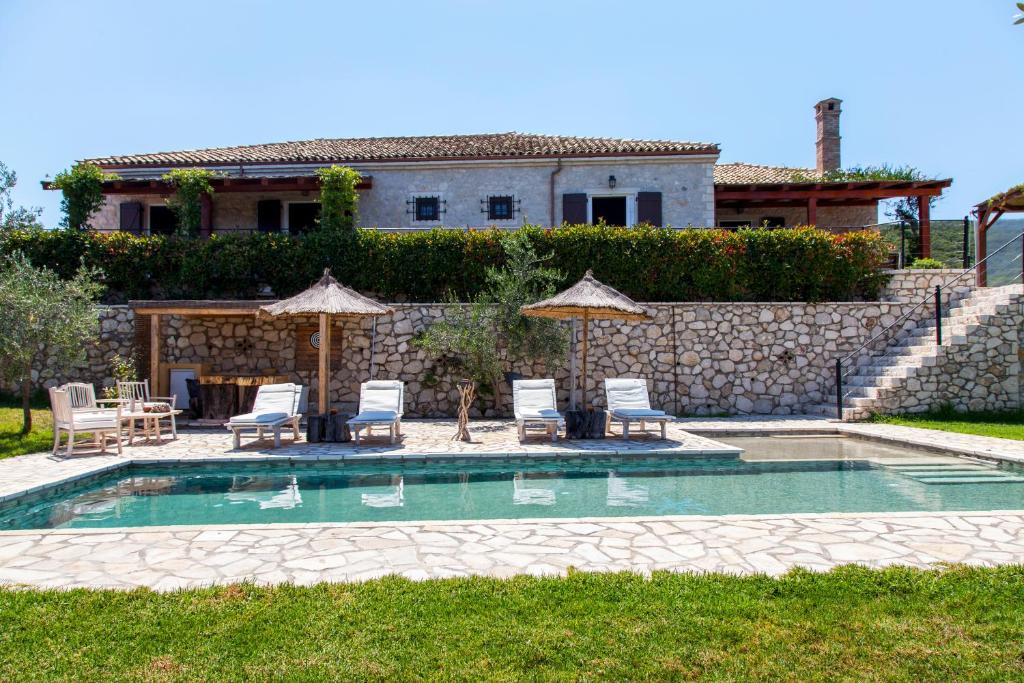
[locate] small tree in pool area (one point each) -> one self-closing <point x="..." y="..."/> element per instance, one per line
<point x="190" y="184"/>
<point x="524" y="280"/>
<point x="468" y="341"/>
<point x="44" y="318"/>
<point x="338" y="198"/>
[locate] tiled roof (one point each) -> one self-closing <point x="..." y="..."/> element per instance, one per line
<point x="496" y="145"/>
<point x="742" y="174"/>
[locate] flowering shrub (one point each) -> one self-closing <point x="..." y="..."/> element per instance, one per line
<point x="648" y="264"/>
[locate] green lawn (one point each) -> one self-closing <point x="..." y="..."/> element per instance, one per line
<point x="850" y="624"/>
<point x="1006" y="425"/>
<point x="12" y="442"/>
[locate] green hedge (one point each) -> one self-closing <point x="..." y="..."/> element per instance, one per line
<point x="648" y="264"/>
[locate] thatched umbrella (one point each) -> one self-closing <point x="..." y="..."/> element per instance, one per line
<point x="587" y="299"/>
<point x="328" y="299"/>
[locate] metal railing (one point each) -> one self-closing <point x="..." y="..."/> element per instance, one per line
<point x="936" y="298"/>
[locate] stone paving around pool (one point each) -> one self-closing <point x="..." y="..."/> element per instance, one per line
<point x="178" y="557"/>
<point x="173" y="557"/>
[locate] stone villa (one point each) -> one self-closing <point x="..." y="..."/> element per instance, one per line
<point x="504" y="180"/>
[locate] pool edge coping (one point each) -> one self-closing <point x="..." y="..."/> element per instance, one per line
<point x="531" y="521"/>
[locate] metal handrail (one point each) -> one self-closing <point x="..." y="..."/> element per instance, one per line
<point x="936" y="297"/>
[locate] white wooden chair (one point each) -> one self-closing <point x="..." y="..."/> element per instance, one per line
<point x="380" y="405"/>
<point x="534" y="403"/>
<point x="136" y="395"/>
<point x="100" y="423"/>
<point x="276" y="406"/>
<point x="83" y="397"/>
<point x="628" y="402"/>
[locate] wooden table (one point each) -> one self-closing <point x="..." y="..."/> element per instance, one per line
<point x="227" y="395"/>
<point x="150" y="423"/>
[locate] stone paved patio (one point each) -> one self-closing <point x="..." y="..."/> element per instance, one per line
<point x="173" y="557"/>
<point x="177" y="557"/>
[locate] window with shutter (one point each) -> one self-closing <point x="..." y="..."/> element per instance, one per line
<point x="131" y="217"/>
<point x="268" y="215"/>
<point x="574" y="208"/>
<point x="648" y="208"/>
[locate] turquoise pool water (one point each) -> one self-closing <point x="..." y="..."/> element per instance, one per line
<point x="480" y="490"/>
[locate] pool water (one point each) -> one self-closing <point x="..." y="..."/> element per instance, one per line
<point x="774" y="476"/>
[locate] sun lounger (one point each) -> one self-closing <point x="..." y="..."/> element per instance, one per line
<point x="534" y="403"/>
<point x="276" y="406"/>
<point x="628" y="402"/>
<point x="380" y="405"/>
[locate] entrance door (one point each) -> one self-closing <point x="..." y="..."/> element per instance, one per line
<point x="610" y="209"/>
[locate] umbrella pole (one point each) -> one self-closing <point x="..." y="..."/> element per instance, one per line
<point x="586" y="333"/>
<point x="325" y="363"/>
<point x="573" y="369"/>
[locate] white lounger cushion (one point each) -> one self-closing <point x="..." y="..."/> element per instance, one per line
<point x="637" y="413"/>
<point x="376" y="416"/>
<point x="535" y="399"/>
<point x="274" y="402"/>
<point x="627" y="393"/>
<point x="381" y="396"/>
<point x="259" y="418"/>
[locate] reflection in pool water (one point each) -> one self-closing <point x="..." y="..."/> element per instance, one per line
<point x="774" y="476"/>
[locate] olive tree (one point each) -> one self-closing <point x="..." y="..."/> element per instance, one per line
<point x="44" y="318"/>
<point x="11" y="217"/>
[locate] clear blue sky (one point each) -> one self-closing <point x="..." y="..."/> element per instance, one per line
<point x="936" y="84"/>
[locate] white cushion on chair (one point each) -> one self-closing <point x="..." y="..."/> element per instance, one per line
<point x="375" y="416"/>
<point x="381" y="396"/>
<point x="276" y="398"/>
<point x="260" y="418"/>
<point x="627" y="393"/>
<point x="639" y="412"/>
<point x="534" y="399"/>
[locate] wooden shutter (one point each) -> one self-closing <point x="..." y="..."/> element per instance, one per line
<point x="648" y="208"/>
<point x="131" y="217"/>
<point x="574" y="208"/>
<point x="268" y="215"/>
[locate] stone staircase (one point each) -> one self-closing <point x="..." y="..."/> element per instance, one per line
<point x="887" y="371"/>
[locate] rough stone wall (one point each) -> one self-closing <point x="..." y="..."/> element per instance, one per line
<point x="700" y="358"/>
<point x="913" y="285"/>
<point x="115" y="334"/>
<point x="687" y="188"/>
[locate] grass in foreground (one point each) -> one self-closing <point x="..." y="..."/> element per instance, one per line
<point x="853" y="623"/>
<point x="1005" y="425"/>
<point x="11" y="440"/>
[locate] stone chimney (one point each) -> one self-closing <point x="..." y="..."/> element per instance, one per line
<point x="826" y="115"/>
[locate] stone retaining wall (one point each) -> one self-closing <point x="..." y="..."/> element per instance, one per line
<point x="700" y="358"/>
<point x="913" y="285"/>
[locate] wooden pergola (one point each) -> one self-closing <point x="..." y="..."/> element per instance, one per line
<point x="987" y="213"/>
<point x="227" y="184"/>
<point x="813" y="195"/>
<point x="149" y="313"/>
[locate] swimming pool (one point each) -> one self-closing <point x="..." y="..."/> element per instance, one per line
<point x="775" y="475"/>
